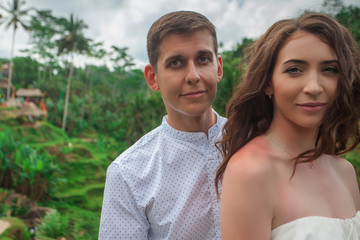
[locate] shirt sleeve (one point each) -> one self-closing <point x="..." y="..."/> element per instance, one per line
<point x="120" y="215"/>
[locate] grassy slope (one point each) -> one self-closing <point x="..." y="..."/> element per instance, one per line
<point x="83" y="164"/>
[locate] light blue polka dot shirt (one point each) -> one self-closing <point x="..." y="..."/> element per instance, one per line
<point x="162" y="187"/>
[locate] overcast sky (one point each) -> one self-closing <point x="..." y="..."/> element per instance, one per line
<point x="125" y="23"/>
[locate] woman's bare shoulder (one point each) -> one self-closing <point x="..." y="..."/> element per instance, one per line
<point x="341" y="165"/>
<point x="248" y="196"/>
<point x="252" y="160"/>
<point x="346" y="173"/>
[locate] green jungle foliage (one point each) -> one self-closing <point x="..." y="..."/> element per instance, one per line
<point x="110" y="107"/>
<point x="54" y="225"/>
<point x="71" y="177"/>
<point x="25" y="170"/>
<point x="18" y="230"/>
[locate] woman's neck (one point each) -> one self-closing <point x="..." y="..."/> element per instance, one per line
<point x="294" y="140"/>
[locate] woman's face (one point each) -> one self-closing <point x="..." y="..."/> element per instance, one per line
<point x="304" y="81"/>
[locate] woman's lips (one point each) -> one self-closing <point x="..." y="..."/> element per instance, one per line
<point x="312" y="107"/>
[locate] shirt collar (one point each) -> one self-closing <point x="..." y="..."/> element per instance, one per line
<point x="192" y="136"/>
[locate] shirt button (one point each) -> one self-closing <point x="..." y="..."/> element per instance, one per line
<point x="211" y="157"/>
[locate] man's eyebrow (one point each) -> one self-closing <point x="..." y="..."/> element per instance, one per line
<point x="205" y="52"/>
<point x="172" y="58"/>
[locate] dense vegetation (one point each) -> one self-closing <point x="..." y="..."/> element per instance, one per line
<point x="61" y="161"/>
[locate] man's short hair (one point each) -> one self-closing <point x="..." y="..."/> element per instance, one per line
<point x="178" y="22"/>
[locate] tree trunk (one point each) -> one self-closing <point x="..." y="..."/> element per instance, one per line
<point x="11" y="64"/>
<point x="67" y="95"/>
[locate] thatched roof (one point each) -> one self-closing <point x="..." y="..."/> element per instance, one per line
<point x="30" y="109"/>
<point x="4" y="66"/>
<point x="34" y="92"/>
<point x="12" y="102"/>
<point x="4" y="84"/>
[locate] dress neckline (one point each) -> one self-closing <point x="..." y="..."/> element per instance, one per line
<point x="357" y="214"/>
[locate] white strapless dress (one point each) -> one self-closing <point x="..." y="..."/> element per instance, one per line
<point x="319" y="228"/>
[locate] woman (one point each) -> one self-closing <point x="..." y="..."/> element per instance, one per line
<point x="296" y="110"/>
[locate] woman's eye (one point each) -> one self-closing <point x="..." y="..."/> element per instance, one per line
<point x="331" y="70"/>
<point x="293" y="70"/>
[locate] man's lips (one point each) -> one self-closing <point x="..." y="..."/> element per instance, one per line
<point x="312" y="106"/>
<point x="193" y="93"/>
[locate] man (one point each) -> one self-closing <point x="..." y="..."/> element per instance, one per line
<point x="162" y="187"/>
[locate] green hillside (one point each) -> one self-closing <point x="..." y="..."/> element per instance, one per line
<point x="79" y="175"/>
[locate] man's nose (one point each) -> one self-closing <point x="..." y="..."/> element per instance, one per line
<point x="192" y="73"/>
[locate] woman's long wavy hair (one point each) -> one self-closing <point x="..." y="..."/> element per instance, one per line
<point x="250" y="111"/>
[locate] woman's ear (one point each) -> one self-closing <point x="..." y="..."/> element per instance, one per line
<point x="150" y="77"/>
<point x="269" y="91"/>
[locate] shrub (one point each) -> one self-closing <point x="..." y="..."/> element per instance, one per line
<point x="25" y="170"/>
<point x="17" y="230"/>
<point x="54" y="225"/>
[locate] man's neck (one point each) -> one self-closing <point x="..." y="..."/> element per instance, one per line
<point x="193" y="123"/>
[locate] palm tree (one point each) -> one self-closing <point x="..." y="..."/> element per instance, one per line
<point x="120" y="58"/>
<point x="15" y="18"/>
<point x="72" y="40"/>
<point x="43" y="32"/>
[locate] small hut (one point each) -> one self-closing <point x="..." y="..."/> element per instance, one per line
<point x="4" y="85"/>
<point x="4" y="70"/>
<point x="30" y="110"/>
<point x="30" y="94"/>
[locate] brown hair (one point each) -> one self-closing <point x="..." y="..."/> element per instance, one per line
<point x="176" y="23"/>
<point x="250" y="111"/>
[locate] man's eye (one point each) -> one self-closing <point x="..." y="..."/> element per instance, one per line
<point x="203" y="59"/>
<point x="175" y="63"/>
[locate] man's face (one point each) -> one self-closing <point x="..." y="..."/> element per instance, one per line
<point x="187" y="74"/>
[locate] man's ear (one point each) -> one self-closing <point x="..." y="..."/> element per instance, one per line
<point x="220" y="69"/>
<point x="150" y="77"/>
